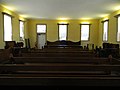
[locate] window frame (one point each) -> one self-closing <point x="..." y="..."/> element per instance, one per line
<point x="118" y="17"/>
<point x="4" y="27"/>
<point x="81" y="32"/>
<point x="42" y="32"/>
<point x="23" y="30"/>
<point x="103" y="22"/>
<point x="66" y="31"/>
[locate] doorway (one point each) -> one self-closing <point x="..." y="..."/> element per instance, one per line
<point x="41" y="40"/>
<point x="41" y="35"/>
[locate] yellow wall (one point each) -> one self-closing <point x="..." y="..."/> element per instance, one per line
<point x="15" y="25"/>
<point x="73" y="30"/>
<point x="112" y="28"/>
<point x="52" y="29"/>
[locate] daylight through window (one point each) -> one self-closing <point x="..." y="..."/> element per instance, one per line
<point x="41" y="28"/>
<point x="118" y="31"/>
<point x="7" y="28"/>
<point x="21" y="30"/>
<point x="63" y="32"/>
<point x="105" y="30"/>
<point x="85" y="32"/>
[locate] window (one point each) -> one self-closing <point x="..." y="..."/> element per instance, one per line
<point x="62" y="31"/>
<point x="85" y="29"/>
<point x="21" y="30"/>
<point x="41" y="28"/>
<point x="118" y="31"/>
<point x="105" y="30"/>
<point x="7" y="27"/>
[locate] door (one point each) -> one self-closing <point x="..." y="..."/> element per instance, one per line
<point x="41" y="40"/>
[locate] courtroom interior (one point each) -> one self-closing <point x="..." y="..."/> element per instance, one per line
<point x="59" y="43"/>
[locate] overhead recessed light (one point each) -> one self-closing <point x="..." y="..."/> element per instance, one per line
<point x="85" y="22"/>
<point x="103" y="15"/>
<point x="85" y="18"/>
<point x="63" y="18"/>
<point x="24" y="16"/>
<point x="9" y="8"/>
<point x="117" y="8"/>
<point x="63" y="22"/>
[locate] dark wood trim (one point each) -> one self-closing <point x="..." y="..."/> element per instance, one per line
<point x="105" y="21"/>
<point x="41" y="24"/>
<point x="62" y="24"/>
<point x="8" y="14"/>
<point x="108" y="30"/>
<point x="22" y="20"/>
<point x="67" y="32"/>
<point x="85" y="24"/>
<point x="89" y="32"/>
<point x="3" y="26"/>
<point x="116" y="16"/>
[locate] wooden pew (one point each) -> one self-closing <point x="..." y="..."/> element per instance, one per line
<point x="58" y="68"/>
<point x="63" y="42"/>
<point x="55" y="50"/>
<point x="63" y="46"/>
<point x="75" y="68"/>
<point x="115" y="61"/>
<point x="59" y="50"/>
<point x="82" y="60"/>
<point x="34" y="80"/>
<point x="59" y="75"/>
<point x="5" y="55"/>
<point x="59" y="54"/>
<point x="1" y="50"/>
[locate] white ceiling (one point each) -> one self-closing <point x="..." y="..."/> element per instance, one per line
<point x="54" y="9"/>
